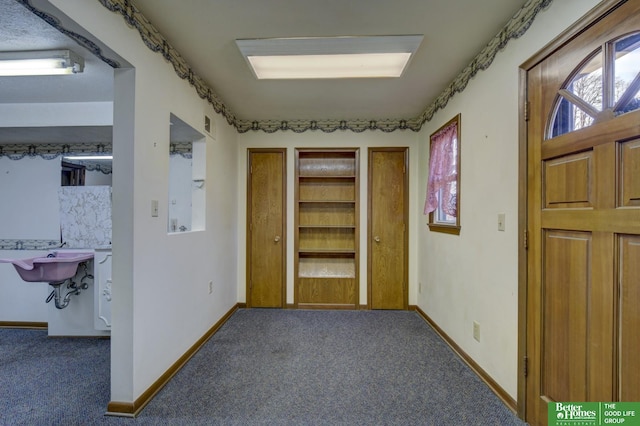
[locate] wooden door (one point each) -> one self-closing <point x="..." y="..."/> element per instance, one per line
<point x="266" y="225"/>
<point x="583" y="224"/>
<point x="387" y="236"/>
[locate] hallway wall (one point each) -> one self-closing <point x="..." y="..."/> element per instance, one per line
<point x="161" y="311"/>
<point x="161" y="300"/>
<point x="474" y="276"/>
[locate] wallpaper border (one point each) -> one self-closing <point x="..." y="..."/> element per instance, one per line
<point x="28" y="244"/>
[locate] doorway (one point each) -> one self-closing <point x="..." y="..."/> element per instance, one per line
<point x="266" y="227"/>
<point x="387" y="233"/>
<point x="582" y="231"/>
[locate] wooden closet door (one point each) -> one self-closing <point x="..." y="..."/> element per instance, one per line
<point x="388" y="220"/>
<point x="266" y="225"/>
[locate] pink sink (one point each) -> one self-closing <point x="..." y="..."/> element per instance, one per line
<point x="49" y="269"/>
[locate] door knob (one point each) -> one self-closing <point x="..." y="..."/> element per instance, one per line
<point x="376" y="239"/>
<point x="277" y="238"/>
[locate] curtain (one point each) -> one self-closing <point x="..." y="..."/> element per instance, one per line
<point x="443" y="171"/>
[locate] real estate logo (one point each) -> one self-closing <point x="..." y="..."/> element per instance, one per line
<point x="576" y="413"/>
<point x="593" y="413"/>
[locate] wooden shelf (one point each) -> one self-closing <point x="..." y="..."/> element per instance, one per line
<point x="327" y="226"/>
<point x="326" y="251"/>
<point x="326" y="201"/>
<point x="304" y="178"/>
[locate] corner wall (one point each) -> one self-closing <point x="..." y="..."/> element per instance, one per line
<point x="474" y="276"/>
<point x="29" y="210"/>
<point x="161" y="301"/>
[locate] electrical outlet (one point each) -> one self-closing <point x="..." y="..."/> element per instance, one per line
<point x="210" y="287"/>
<point x="476" y="331"/>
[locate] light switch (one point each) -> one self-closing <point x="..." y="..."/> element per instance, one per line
<point x="501" y="219"/>
<point x="154" y="208"/>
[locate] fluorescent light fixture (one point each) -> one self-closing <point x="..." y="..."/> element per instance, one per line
<point x="360" y="65"/>
<point x="329" y="57"/>
<point x="88" y="157"/>
<point x="40" y="62"/>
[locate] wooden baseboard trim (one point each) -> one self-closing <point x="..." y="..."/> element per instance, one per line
<point x="493" y="385"/>
<point x="24" y="324"/>
<point x="326" y="306"/>
<point x="132" y="409"/>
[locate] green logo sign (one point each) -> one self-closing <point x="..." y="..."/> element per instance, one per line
<point x="593" y="413"/>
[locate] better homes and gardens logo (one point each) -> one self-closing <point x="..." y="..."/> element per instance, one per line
<point x="593" y="413"/>
<point x="576" y="413"/>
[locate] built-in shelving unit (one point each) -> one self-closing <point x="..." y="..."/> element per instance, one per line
<point x="326" y="221"/>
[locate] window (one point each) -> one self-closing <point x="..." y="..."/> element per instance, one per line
<point x="442" y="203"/>
<point x="604" y="86"/>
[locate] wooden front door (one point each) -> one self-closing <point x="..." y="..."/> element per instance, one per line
<point x="266" y="225"/>
<point x="583" y="224"/>
<point x="387" y="236"/>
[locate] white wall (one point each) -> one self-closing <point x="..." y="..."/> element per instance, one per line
<point x="21" y="301"/>
<point x="97" y="178"/>
<point x="56" y="114"/>
<point x="29" y="194"/>
<point x="474" y="276"/>
<point x="161" y="303"/>
<point x="29" y="210"/>
<point x="337" y="139"/>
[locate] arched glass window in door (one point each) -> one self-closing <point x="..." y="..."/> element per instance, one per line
<point x="605" y="85"/>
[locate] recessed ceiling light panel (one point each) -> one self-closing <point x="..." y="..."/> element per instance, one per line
<point x="329" y="57"/>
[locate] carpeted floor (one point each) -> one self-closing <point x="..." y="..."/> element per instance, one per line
<point x="263" y="367"/>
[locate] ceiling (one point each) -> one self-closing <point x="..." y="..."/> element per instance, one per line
<point x="204" y="32"/>
<point x="20" y="29"/>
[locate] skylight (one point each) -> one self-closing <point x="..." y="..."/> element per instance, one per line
<point x="329" y="57"/>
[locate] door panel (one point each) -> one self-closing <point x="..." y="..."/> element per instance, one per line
<point x="566" y="294"/>
<point x="629" y="317"/>
<point x="629" y="191"/>
<point x="568" y="181"/>
<point x="266" y="229"/>
<point x="388" y="249"/>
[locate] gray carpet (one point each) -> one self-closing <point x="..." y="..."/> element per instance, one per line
<point x="263" y="367"/>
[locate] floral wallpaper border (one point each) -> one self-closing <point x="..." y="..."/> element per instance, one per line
<point x="26" y="244"/>
<point x="515" y="28"/>
<point x="51" y="151"/>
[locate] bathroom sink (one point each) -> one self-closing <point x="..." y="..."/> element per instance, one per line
<point x="54" y="268"/>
